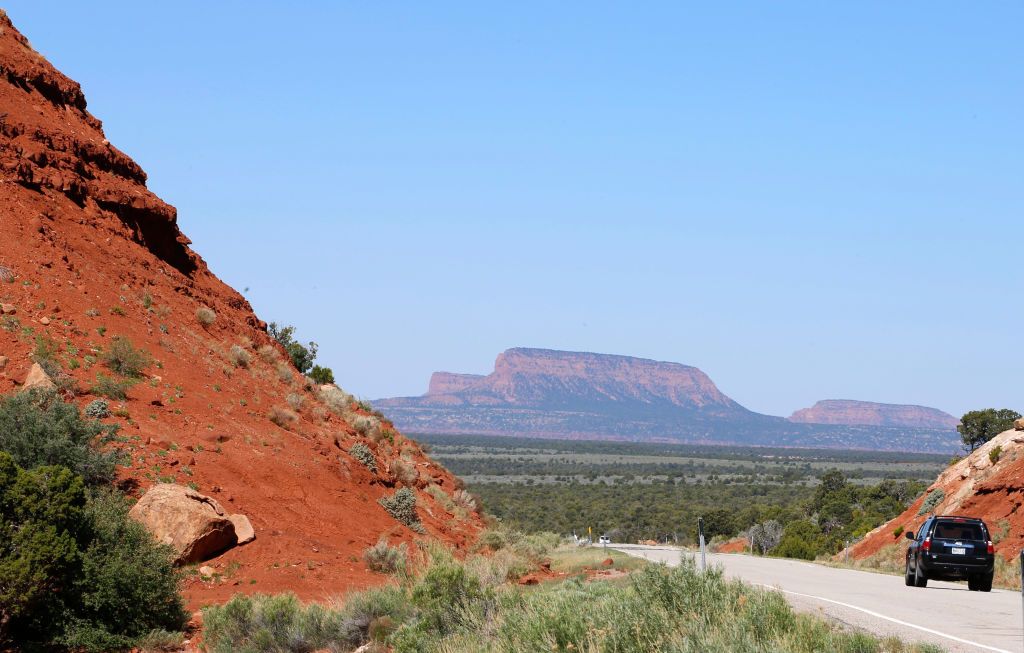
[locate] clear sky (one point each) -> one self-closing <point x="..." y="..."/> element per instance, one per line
<point x="807" y="200"/>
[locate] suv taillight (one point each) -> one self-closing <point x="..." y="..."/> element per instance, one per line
<point x="991" y="549"/>
<point x="926" y="546"/>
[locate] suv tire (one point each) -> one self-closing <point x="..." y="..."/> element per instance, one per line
<point x="908" y="578"/>
<point x="985" y="583"/>
<point x="920" y="578"/>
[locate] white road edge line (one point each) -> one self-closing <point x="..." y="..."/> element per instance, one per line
<point x="892" y="619"/>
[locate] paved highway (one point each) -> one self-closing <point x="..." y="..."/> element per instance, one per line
<point x="946" y="614"/>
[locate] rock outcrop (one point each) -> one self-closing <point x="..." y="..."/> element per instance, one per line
<point x="195" y="526"/>
<point x="988" y="483"/>
<point x="1018" y="424"/>
<point x="560" y="394"/>
<point x="868" y="413"/>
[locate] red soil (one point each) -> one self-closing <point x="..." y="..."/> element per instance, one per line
<point x="735" y="545"/>
<point x="96" y="255"/>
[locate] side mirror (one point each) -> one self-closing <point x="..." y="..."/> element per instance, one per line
<point x="909" y="534"/>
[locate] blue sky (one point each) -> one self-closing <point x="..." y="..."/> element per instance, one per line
<point x="807" y="200"/>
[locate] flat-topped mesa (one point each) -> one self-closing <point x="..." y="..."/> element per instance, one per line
<point x="547" y="377"/>
<point x="867" y="413"/>
<point x="442" y="383"/>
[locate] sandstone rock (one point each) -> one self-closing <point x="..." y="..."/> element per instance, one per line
<point x="1018" y="425"/>
<point x="194" y="525"/>
<point x="8" y="309"/>
<point x="3" y="363"/>
<point x="243" y="529"/>
<point x="207" y="571"/>
<point x="45" y="321"/>
<point x="38" y="379"/>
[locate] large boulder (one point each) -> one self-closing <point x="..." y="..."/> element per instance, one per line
<point x="194" y="525"/>
<point x="38" y="378"/>
<point x="1018" y="424"/>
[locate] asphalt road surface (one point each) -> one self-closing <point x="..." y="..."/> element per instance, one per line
<point x="945" y="614"/>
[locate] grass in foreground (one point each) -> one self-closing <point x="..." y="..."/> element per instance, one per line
<point x="453" y="606"/>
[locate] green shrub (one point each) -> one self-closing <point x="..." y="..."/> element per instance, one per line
<point x="97" y="409"/>
<point x="108" y="386"/>
<point x="362" y="453"/>
<point x="75" y="571"/>
<point x="124" y="359"/>
<point x="270" y="624"/>
<point x="128" y="585"/>
<point x="896" y="532"/>
<point x="37" y="428"/>
<point x="994" y="453"/>
<point x="41" y="519"/>
<point x="322" y="375"/>
<point x="445" y="595"/>
<point x="45" y="354"/>
<point x="931" y="501"/>
<point x="386" y="559"/>
<point x="402" y="506"/>
<point x="302" y="356"/>
<point x="800" y="539"/>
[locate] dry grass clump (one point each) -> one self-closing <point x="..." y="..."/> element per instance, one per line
<point x="404" y="472"/>
<point x="284" y="372"/>
<point x="295" y="400"/>
<point x="368" y="427"/>
<point x="464" y="500"/>
<point x="336" y="399"/>
<point x="239" y="356"/>
<point x="206" y="315"/>
<point x="385" y="559"/>
<point x="282" y="417"/>
<point x="268" y="353"/>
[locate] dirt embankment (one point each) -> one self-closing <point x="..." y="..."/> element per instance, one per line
<point x="89" y="254"/>
<point x="981" y="485"/>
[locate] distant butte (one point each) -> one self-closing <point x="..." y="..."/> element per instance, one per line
<point x="867" y="413"/>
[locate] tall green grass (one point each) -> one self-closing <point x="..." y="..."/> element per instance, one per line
<point x="457" y="607"/>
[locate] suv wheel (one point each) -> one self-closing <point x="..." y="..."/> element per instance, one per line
<point x="985" y="583"/>
<point x="908" y="578"/>
<point x="973" y="583"/>
<point x="920" y="578"/>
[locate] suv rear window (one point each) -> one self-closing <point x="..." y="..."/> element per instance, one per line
<point x="957" y="531"/>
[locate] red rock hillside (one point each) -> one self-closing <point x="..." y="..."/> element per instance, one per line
<point x="89" y="255"/>
<point x="869" y="413"/>
<point x="975" y="487"/>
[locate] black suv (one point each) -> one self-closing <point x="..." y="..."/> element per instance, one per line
<point x="951" y="548"/>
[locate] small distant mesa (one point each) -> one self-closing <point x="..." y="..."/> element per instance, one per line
<point x="867" y="413"/>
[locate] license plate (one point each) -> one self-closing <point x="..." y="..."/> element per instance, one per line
<point x="959" y="551"/>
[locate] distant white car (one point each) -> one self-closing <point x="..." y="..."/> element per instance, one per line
<point x="604" y="539"/>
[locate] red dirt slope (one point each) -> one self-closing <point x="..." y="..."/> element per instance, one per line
<point x="975" y="487"/>
<point x="89" y="253"/>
